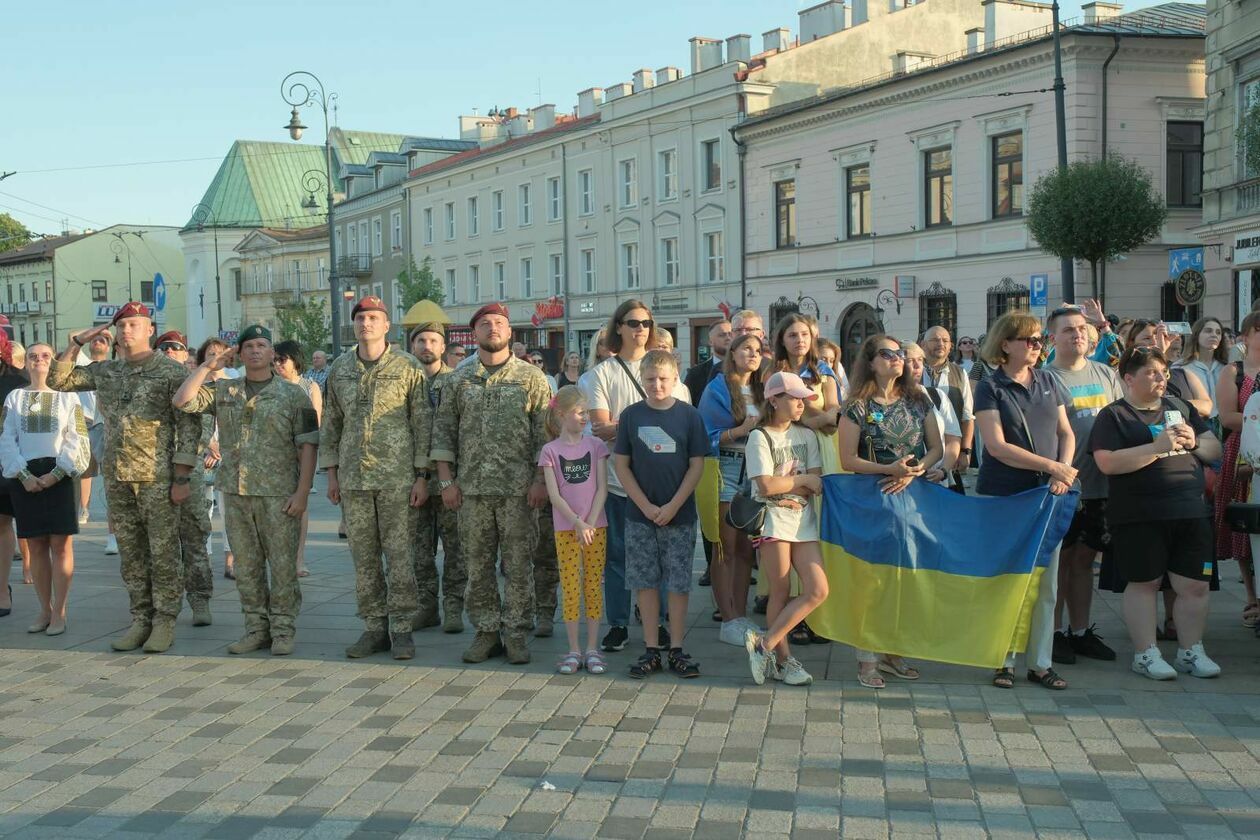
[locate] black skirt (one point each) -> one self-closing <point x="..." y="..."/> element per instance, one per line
<point x="51" y="512"/>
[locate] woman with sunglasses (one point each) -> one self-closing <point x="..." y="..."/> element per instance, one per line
<point x="289" y="365"/>
<point x="967" y="353"/>
<point x="887" y="428"/>
<point x="1027" y="443"/>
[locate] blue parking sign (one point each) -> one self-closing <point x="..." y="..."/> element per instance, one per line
<point x="1038" y="298"/>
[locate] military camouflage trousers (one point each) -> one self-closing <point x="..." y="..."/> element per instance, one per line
<point x="265" y="540"/>
<point x="490" y="526"/>
<point x="434" y="520"/>
<point x="194" y="530"/>
<point x="382" y="522"/>
<point x="546" y="569"/>
<point x="146" y="525"/>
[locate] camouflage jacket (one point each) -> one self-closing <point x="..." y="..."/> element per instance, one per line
<point x="373" y="421"/>
<point x="259" y="437"/>
<point x="145" y="436"/>
<point x="432" y="393"/>
<point x="492" y="426"/>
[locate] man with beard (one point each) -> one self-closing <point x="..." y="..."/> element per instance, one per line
<point x="371" y="444"/>
<point x="492" y="423"/>
<point x="428" y="345"/>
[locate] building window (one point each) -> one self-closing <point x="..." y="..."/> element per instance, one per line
<point x="500" y="281"/>
<point x="295" y="274"/>
<point x="428" y="226"/>
<point x="337" y="239"/>
<point x="395" y="231"/>
<point x="526" y="214"/>
<point x="938" y="307"/>
<point x="474" y="217"/>
<point x="554" y="206"/>
<point x="1248" y="102"/>
<point x="785" y="214"/>
<point x="630" y="265"/>
<point x="714" y="258"/>
<point x="1006" y="296"/>
<point x="588" y="270"/>
<point x="35" y="332"/>
<point x="496" y="210"/>
<point x="236" y="282"/>
<point x="451" y="296"/>
<point x="586" y="192"/>
<point x="527" y="277"/>
<point x="710" y="165"/>
<point x="1185" y="164"/>
<point x="321" y="280"/>
<point x="146" y="287"/>
<point x="474" y="283"/>
<point x="363" y="236"/>
<point x="557" y="274"/>
<point x="352" y="240"/>
<point x="857" y="183"/>
<point x="667" y="172"/>
<point x="1008" y="174"/>
<point x="100" y="291"/>
<point x="627" y="183"/>
<point x="450" y="219"/>
<point x="938" y="187"/>
<point x="378" y="245"/>
<point x="669" y="260"/>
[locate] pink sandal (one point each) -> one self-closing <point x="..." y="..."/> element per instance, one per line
<point x="595" y="663"/>
<point x="571" y="663"/>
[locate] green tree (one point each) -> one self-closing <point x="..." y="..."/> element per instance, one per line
<point x="13" y="234"/>
<point x="419" y="284"/>
<point x="304" y="321"/>
<point x="1095" y="211"/>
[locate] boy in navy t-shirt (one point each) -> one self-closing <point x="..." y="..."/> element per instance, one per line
<point x="659" y="458"/>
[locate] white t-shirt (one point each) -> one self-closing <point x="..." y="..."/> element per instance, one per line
<point x="789" y="453"/>
<point x="610" y="389"/>
<point x="750" y="410"/>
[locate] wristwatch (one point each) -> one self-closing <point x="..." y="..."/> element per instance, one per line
<point x="182" y="479"/>
<point x="445" y="483"/>
<point x="965" y="451"/>
<point x="423" y="474"/>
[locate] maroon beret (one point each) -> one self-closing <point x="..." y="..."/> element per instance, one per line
<point x="131" y="309"/>
<point x="489" y="309"/>
<point x="371" y="303"/>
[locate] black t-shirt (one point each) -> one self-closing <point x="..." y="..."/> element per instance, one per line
<point x="1022" y="411"/>
<point x="11" y="380"/>
<point x="1170" y="488"/>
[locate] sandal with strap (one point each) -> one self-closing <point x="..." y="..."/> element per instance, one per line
<point x="1049" y="679"/>
<point x="1251" y="616"/>
<point x="1004" y="678"/>
<point x="682" y="664"/>
<point x="871" y="680"/>
<point x="595" y="662"/>
<point x="648" y="664"/>
<point x="799" y="635"/>
<point x="571" y="663"/>
<point x="898" y="668"/>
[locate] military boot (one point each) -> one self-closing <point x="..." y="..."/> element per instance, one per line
<point x="544" y="627"/>
<point x="201" y="614"/>
<point x="453" y="620"/>
<point x="282" y="646"/>
<point x="250" y="642"/>
<point x="403" y="646"/>
<point x="517" y="650"/>
<point x="161" y="636"/>
<point x="372" y="641"/>
<point x="425" y="618"/>
<point x="135" y="636"/>
<point x="484" y="646"/>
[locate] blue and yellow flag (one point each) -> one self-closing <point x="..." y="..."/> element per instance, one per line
<point x="933" y="575"/>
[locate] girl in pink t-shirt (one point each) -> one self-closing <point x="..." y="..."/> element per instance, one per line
<point x="576" y="471"/>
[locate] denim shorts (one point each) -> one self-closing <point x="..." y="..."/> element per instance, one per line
<point x="659" y="557"/>
<point x="734" y="473"/>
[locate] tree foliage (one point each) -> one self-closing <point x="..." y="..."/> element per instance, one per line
<point x="13" y="234"/>
<point x="419" y="283"/>
<point x="1095" y="211"/>
<point x="305" y="321"/>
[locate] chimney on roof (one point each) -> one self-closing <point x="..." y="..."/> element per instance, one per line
<point x="543" y="117"/>
<point x="776" y="40"/>
<point x="821" y="20"/>
<point x="1096" y="11"/>
<point x="739" y="48"/>
<point x="668" y="74"/>
<point x="517" y="124"/>
<point x="589" y="100"/>
<point x="975" y="40"/>
<point x="857" y="12"/>
<point x="617" y="91"/>
<point x="706" y="53"/>
<point x="643" y="79"/>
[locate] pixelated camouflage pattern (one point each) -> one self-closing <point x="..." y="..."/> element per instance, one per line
<point x="434" y="520"/>
<point x="146" y="525"/>
<point x="194" y="529"/>
<point x="490" y="526"/>
<point x="265" y="540"/>
<point x="546" y="566"/>
<point x="382" y="522"/>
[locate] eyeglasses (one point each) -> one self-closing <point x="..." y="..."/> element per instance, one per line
<point x="171" y="345"/>
<point x="635" y="323"/>
<point x="891" y="355"/>
<point x="1034" y="341"/>
<point x="966" y="342"/>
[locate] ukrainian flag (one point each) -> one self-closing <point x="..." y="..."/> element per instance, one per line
<point x="931" y="574"/>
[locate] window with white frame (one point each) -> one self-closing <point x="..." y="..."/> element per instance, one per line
<point x="524" y="198"/>
<point x="474" y="217"/>
<point x="857" y="186"/>
<point x="428" y="226"/>
<point x="395" y="231"/>
<point x="321" y="279"/>
<point x="630" y="265"/>
<point x="710" y="165"/>
<point x="474" y="283"/>
<point x="337" y="239"/>
<point x="587" y="264"/>
<point x="452" y="296"/>
<point x="669" y="260"/>
<point x="557" y="273"/>
<point x="500" y="281"/>
<point x="554" y="204"/>
<point x="1248" y="105"/>
<point x="496" y="210"/>
<point x="377" y="243"/>
<point x="352" y="239"/>
<point x="714" y="258"/>
<point x="269" y="286"/>
<point x="667" y="174"/>
<point x="586" y="192"/>
<point x="363" y="237"/>
<point x="450" y="219"/>
<point x="295" y="274"/>
<point x="627" y="183"/>
<point x="527" y="277"/>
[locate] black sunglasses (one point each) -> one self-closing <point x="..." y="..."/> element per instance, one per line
<point x="1031" y="340"/>
<point x="171" y="345"/>
<point x="890" y="355"/>
<point x="635" y="323"/>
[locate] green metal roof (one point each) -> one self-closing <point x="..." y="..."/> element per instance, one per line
<point x="355" y="146"/>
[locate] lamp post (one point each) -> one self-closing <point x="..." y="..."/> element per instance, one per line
<point x="200" y="213"/>
<point x="1060" y="125"/>
<point x="885" y="296"/>
<point x="299" y="89"/>
<point x="118" y="246"/>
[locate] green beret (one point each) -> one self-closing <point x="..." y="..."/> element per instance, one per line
<point x="251" y="332"/>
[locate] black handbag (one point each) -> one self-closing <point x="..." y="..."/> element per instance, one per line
<point x="1243" y="517"/>
<point x="746" y="515"/>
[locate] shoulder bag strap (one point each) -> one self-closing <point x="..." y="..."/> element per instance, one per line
<point x="633" y="379"/>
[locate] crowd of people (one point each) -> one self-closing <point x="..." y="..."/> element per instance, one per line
<point x="578" y="492"/>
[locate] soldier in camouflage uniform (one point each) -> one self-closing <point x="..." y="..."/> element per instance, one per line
<point x="150" y="453"/>
<point x="268" y="433"/>
<point x="546" y="573"/>
<point x="491" y="422"/>
<point x="371" y="443"/>
<point x="194" y="515"/>
<point x="428" y="343"/>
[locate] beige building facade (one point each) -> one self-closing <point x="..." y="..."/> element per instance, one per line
<point x="281" y="267"/>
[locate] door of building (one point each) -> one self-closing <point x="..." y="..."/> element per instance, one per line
<point x="858" y="324"/>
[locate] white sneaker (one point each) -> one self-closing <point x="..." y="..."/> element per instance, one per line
<point x="1150" y="663"/>
<point x="1196" y="663"/>
<point x="83" y="516"/>
<point x="111" y="544"/>
<point x="749" y="624"/>
<point x="792" y="672"/>
<point x="732" y="633"/>
<point x="760" y="661"/>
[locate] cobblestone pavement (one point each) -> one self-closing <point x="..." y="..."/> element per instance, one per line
<point x="197" y="743"/>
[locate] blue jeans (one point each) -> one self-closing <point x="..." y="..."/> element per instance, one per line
<point x="616" y="595"/>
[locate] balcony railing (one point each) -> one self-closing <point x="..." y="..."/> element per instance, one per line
<point x="354" y="265"/>
<point x="1247" y="196"/>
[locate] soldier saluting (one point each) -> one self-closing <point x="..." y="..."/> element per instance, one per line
<point x="150" y="452"/>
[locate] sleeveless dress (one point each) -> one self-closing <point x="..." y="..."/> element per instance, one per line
<point x="1230" y="489"/>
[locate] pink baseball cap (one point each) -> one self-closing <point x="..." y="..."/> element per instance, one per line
<point x="790" y="384"/>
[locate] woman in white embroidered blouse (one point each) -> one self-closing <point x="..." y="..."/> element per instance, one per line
<point x="44" y="446"/>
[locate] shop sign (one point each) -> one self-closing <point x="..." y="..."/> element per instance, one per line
<point x="903" y="286"/>
<point x="847" y="284"/>
<point x="547" y="310"/>
<point x="104" y="313"/>
<point x="1247" y="248"/>
<point x="1185" y="270"/>
<point x="586" y="308"/>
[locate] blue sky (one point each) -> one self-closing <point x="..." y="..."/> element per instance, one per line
<point x="97" y="89"/>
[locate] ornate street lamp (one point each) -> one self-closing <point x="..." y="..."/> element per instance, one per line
<point x="885" y="296"/>
<point x="200" y="214"/>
